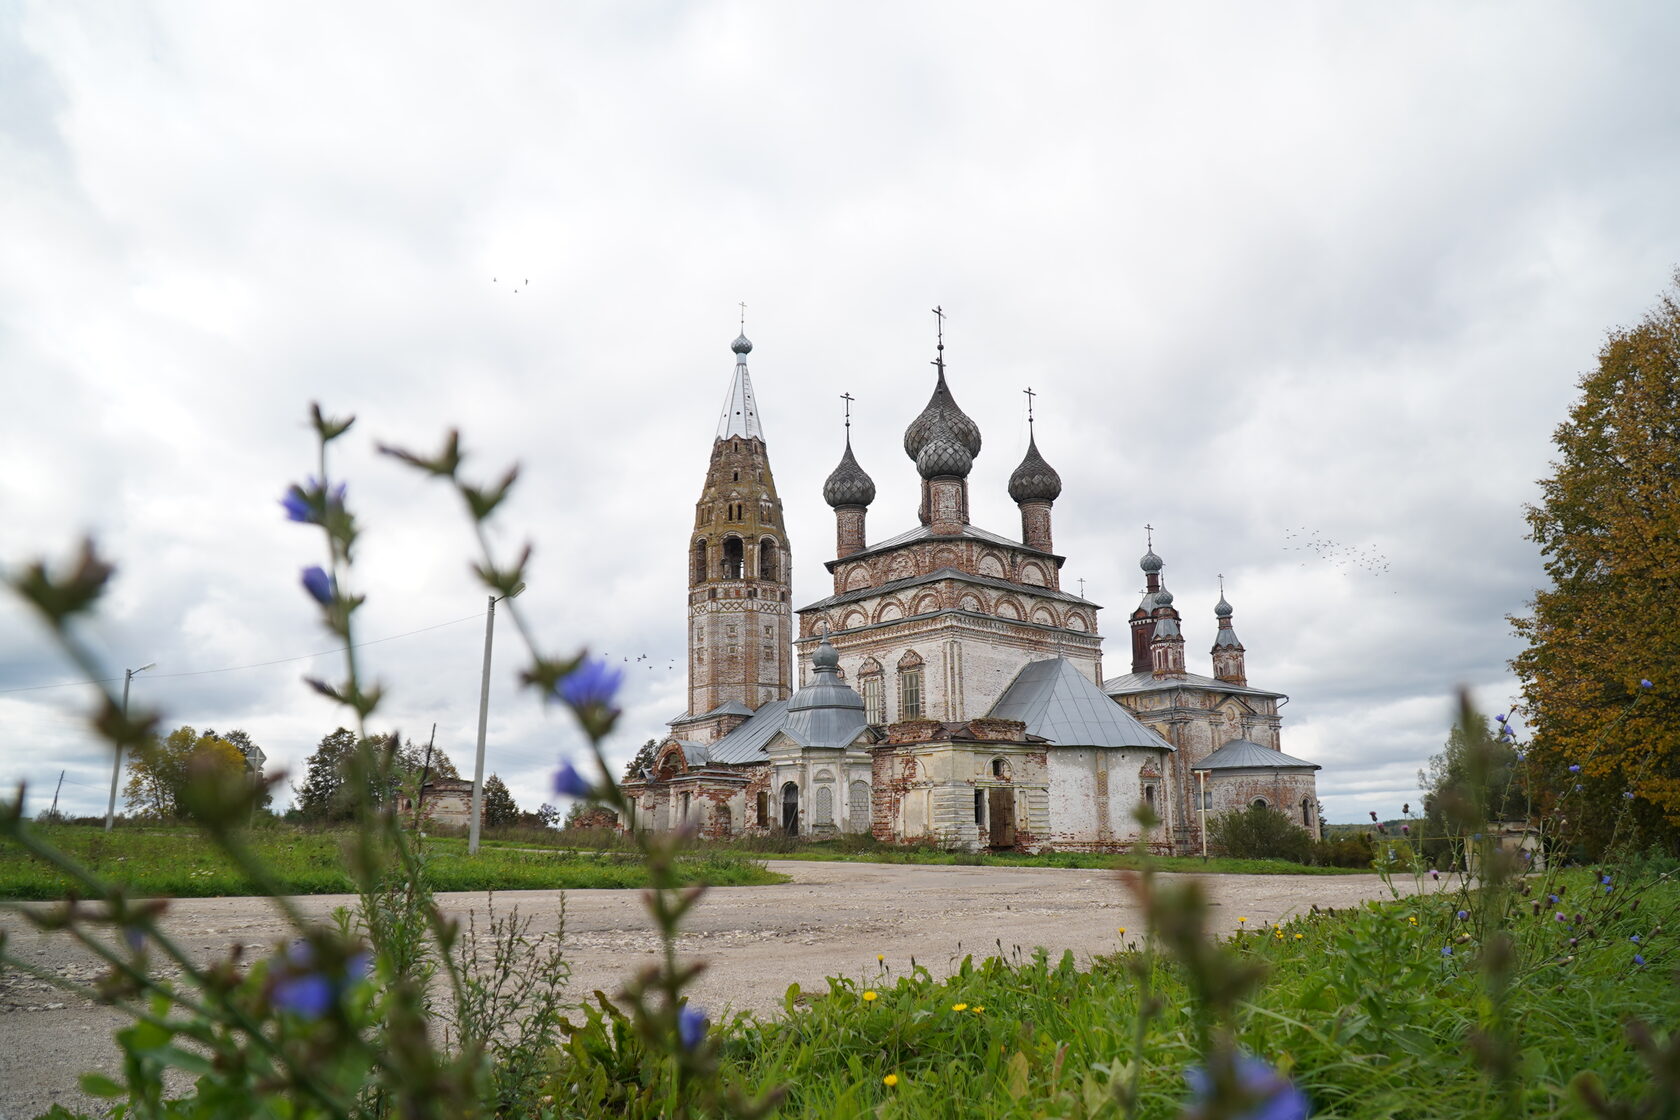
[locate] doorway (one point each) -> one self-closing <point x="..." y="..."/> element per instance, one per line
<point x="790" y="809"/>
<point x="1001" y="810"/>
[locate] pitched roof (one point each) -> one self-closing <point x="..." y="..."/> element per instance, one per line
<point x="746" y="742"/>
<point x="1130" y="683"/>
<point x="1055" y="700"/>
<point x="740" y="407"/>
<point x="727" y="708"/>
<point x="1244" y="754"/>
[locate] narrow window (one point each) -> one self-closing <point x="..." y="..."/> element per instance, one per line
<point x="1149" y="796"/>
<point x="737" y="476"/>
<point x="1306" y="811"/>
<point x="767" y="566"/>
<point x="874" y="699"/>
<point x="1207" y="802"/>
<point x="699" y="561"/>
<point x="1000" y="769"/>
<point x="682" y="813"/>
<point x="980" y="807"/>
<point x="910" y="694"/>
<point x="732" y="560"/>
<point x="763" y="807"/>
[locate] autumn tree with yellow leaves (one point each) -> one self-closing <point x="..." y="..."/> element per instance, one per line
<point x="161" y="770"/>
<point x="1601" y="674"/>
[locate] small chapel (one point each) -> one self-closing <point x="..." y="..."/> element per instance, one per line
<point x="950" y="691"/>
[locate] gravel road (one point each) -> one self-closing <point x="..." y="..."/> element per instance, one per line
<point x="830" y="920"/>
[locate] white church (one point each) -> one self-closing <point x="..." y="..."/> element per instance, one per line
<point x="953" y="692"/>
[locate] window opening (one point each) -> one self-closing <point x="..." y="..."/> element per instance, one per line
<point x="767" y="559"/>
<point x="874" y="699"/>
<point x="763" y="808"/>
<point x="1258" y="803"/>
<point x="732" y="558"/>
<point x="980" y="807"/>
<point x="699" y="560"/>
<point x="910" y="694"/>
<point x="790" y="809"/>
<point x="1000" y="769"/>
<point x="1306" y="811"/>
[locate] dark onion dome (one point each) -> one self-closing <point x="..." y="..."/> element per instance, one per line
<point x="1151" y="562"/>
<point x="1222" y="609"/>
<point x="942" y="411"/>
<point x="1034" y="480"/>
<point x="1163" y="598"/>
<point x="741" y="345"/>
<point x="848" y="485"/>
<point x="944" y="456"/>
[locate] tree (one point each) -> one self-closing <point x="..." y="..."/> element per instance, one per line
<point x="548" y="816"/>
<point x="642" y="761"/>
<point x="320" y="797"/>
<point x="499" y="808"/>
<point x="1489" y="780"/>
<point x="1608" y="523"/>
<point x="411" y="760"/>
<point x="247" y="749"/>
<point x="161" y="769"/>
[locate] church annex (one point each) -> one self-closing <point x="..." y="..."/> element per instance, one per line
<point x="952" y="692"/>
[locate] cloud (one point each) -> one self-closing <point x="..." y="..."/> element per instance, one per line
<point x="1290" y="270"/>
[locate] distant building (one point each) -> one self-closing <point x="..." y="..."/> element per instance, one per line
<point x="444" y="801"/>
<point x="951" y="691"/>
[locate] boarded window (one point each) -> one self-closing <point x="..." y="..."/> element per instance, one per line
<point x="825" y="805"/>
<point x="859" y="808"/>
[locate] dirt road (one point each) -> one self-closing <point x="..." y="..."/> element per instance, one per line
<point x="832" y="919"/>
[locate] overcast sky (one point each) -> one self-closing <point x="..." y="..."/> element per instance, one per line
<point x="1305" y="286"/>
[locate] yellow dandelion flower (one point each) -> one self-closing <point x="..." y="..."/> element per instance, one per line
<point x="1122" y="931"/>
<point x="879" y="959"/>
<point x="979" y="1008"/>
<point x="959" y="1007"/>
<point x="890" y="1080"/>
<point x="1297" y="937"/>
<point x="871" y="997"/>
<point x="1240" y="921"/>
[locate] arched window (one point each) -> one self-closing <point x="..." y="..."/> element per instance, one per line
<point x="1000" y="769"/>
<point x="768" y="564"/>
<point x="732" y="558"/>
<point x="825" y="805"/>
<point x="1306" y="811"/>
<point x="910" y="686"/>
<point x="699" y="560"/>
<point x="790" y="809"/>
<point x="873" y="686"/>
<point x="1258" y="803"/>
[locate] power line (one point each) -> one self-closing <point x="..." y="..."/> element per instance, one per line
<point x="254" y="664"/>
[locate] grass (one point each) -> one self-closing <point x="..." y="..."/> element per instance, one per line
<point x="1361" y="1009"/>
<point x="176" y="862"/>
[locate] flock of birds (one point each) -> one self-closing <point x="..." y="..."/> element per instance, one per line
<point x="517" y="288"/>
<point x="1344" y="558"/>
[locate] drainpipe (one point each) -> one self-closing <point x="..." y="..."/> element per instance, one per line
<point x="1201" y="790"/>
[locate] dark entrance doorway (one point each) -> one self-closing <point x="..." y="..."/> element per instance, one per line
<point x="790" y="809"/>
<point x="1000" y="809"/>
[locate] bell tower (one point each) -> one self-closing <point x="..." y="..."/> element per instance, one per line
<point x="740" y="618"/>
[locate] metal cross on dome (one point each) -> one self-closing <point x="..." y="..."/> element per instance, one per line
<point x="848" y="398"/>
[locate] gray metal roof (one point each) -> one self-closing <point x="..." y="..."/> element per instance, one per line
<point x="1244" y="754"/>
<point x="1055" y="700"/>
<point x="941" y="574"/>
<point x="826" y="712"/>
<point x="746" y="742"/>
<point x="925" y="532"/>
<point x="1131" y="683"/>
<point x="727" y="708"/>
<point x="694" y="754"/>
<point x="740" y="407"/>
<point x="942" y="416"/>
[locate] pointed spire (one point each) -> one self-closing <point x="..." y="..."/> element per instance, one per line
<point x="740" y="407"/>
<point x="1034" y="480"/>
<point x="849" y="484"/>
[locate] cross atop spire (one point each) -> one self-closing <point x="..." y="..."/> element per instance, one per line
<point x="1150" y="530"/>
<point x="848" y="398"/>
<point x="939" y="321"/>
<point x="743" y="316"/>
<point x="1030" y="395"/>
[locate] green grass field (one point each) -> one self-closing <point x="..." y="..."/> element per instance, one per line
<point x="176" y="862"/>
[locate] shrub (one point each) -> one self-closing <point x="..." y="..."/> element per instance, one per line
<point x="1259" y="833"/>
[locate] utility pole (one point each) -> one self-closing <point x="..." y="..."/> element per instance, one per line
<point x="476" y="822"/>
<point x="52" y="814"/>
<point x="116" y="767"/>
<point x="425" y="772"/>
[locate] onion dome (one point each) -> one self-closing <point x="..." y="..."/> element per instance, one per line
<point x="1222" y="609"/>
<point x="825" y="657"/>
<point x="941" y="412"/>
<point x="742" y="345"/>
<point x="848" y="485"/>
<point x="1034" y="480"/>
<point x="827" y="712"/>
<point x="1151" y="562"/>
<point x="1163" y="598"/>
<point x="943" y="455"/>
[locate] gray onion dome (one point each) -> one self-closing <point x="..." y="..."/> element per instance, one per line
<point x="944" y="456"/>
<point x="741" y="345"/>
<point x="1163" y="598"/>
<point x="848" y="485"/>
<point x="1222" y="609"/>
<point x="942" y="412"/>
<point x="825" y="656"/>
<point x="1034" y="480"/>
<point x="1151" y="562"/>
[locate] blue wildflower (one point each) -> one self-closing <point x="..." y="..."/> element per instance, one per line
<point x="1638" y="960"/>
<point x="1634" y="939"/>
<point x="308" y="995"/>
<point x="297" y="509"/>
<point x="1501" y="717"/>
<point x="1463" y="914"/>
<point x="592" y="684"/>
<point x="1627" y="794"/>
<point x="691" y="1026"/>
<point x="318" y="584"/>
<point x="1604" y="880"/>
<point x="1645" y="683"/>
<point x="1552" y="898"/>
<point x="1273" y="1095"/>
<point x="569" y="782"/>
<point x="1575" y="768"/>
<point x="1446" y="950"/>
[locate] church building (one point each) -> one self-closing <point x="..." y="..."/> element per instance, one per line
<point x="951" y="691"/>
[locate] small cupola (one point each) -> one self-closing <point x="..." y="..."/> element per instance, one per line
<point x="849" y="490"/>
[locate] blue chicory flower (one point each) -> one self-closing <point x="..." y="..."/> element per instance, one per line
<point x="1275" y="1096"/>
<point x="569" y="782"/>
<point x="1627" y="795"/>
<point x="1463" y="914"/>
<point x="1634" y="939"/>
<point x="1501" y="717"/>
<point x="1552" y="898"/>
<point x="1643" y="683"/>
<point x="691" y="1026"/>
<point x="1575" y="768"/>
<point x="1446" y="950"/>
<point x="296" y="508"/>
<point x="1638" y="960"/>
<point x="308" y="995"/>
<point x="1604" y="880"/>
<point x="318" y="583"/>
<point x="591" y="684"/>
